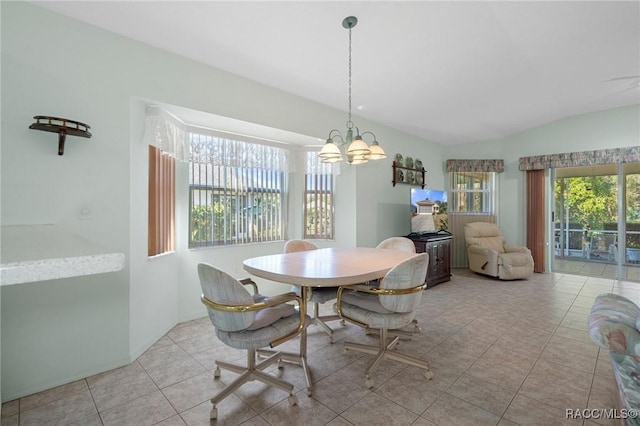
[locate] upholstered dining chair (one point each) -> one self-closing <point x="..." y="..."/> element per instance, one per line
<point x="390" y="306"/>
<point x="251" y="322"/>
<point x="402" y="244"/>
<point x="398" y="243"/>
<point x="490" y="254"/>
<point x="318" y="295"/>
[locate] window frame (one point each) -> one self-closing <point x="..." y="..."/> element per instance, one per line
<point x="250" y="188"/>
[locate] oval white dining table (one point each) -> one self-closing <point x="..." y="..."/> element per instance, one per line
<point x="328" y="267"/>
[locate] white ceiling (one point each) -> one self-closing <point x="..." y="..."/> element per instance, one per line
<point x="449" y="72"/>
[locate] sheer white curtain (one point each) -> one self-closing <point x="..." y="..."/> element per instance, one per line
<point x="314" y="164"/>
<point x="166" y="132"/>
<point x="225" y="149"/>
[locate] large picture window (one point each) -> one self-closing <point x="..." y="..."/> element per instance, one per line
<point x="237" y="190"/>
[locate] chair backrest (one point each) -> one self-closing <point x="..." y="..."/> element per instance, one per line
<point x="408" y="274"/>
<point x="220" y="287"/>
<point x="398" y="243"/>
<point x="484" y="234"/>
<point x="298" y="245"/>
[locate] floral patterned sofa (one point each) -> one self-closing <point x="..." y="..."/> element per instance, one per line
<point x="614" y="322"/>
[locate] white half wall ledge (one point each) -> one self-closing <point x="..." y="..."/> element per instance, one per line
<point x="30" y="253"/>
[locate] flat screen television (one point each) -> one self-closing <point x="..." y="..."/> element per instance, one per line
<point x="428" y="210"/>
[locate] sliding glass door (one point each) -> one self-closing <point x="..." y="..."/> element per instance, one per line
<point x="596" y="220"/>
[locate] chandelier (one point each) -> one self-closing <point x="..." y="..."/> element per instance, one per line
<point x="357" y="150"/>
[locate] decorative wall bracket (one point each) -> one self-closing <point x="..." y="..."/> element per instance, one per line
<point x="62" y="127"/>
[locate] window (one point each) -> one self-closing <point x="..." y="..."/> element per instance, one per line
<point x="318" y="198"/>
<point x="162" y="195"/>
<point x="237" y="189"/>
<point x="472" y="198"/>
<point x="473" y="192"/>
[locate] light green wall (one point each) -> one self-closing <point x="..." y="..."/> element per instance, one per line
<point x="57" y="331"/>
<point x="615" y="128"/>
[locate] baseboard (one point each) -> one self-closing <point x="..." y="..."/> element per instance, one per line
<point x="11" y="394"/>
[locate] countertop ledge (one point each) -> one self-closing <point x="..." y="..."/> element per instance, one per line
<point x="30" y="253"/>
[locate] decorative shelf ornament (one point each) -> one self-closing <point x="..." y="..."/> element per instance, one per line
<point x="61" y="126"/>
<point x="408" y="175"/>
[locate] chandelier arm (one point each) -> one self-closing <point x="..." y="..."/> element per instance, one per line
<point x="369" y="132"/>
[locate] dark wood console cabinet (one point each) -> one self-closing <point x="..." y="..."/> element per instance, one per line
<point x="439" y="250"/>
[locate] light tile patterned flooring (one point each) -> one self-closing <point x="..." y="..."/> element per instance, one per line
<point x="595" y="268"/>
<point x="505" y="353"/>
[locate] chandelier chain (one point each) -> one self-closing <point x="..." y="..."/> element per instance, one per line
<point x="349" y="123"/>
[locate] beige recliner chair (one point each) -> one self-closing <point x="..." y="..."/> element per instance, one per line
<point x="489" y="254"/>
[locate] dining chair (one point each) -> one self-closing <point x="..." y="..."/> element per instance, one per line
<point x="398" y="243"/>
<point x="317" y="295"/>
<point x="389" y="306"/>
<point x="402" y="244"/>
<point x="251" y="322"/>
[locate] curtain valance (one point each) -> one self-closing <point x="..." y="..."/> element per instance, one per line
<point x="166" y="132"/>
<point x="581" y="158"/>
<point x="496" y="166"/>
<point x="218" y="148"/>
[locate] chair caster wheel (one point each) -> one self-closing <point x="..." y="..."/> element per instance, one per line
<point x="280" y="364"/>
<point x="293" y="400"/>
<point x="369" y="383"/>
<point x="428" y="374"/>
<point x="213" y="414"/>
<point x="216" y="372"/>
<point x="343" y="323"/>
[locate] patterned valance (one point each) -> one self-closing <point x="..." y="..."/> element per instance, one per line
<point x="496" y="166"/>
<point x="629" y="154"/>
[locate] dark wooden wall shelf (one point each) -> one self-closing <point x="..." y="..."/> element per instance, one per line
<point x="61" y="126"/>
<point x="408" y="175"/>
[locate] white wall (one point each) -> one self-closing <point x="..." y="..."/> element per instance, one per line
<point x="615" y="128"/>
<point x="58" y="331"/>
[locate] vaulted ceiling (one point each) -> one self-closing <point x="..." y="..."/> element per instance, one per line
<point x="449" y="72"/>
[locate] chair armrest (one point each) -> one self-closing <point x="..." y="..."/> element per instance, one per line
<point x="363" y="288"/>
<point x="609" y="333"/>
<point x="516" y="249"/>
<point x="281" y="298"/>
<point x="249" y="281"/>
<point x="268" y="302"/>
<point x="482" y="259"/>
<point x="383" y="291"/>
<point x="475" y="249"/>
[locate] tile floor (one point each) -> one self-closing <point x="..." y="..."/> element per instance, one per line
<point x="595" y="268"/>
<point x="503" y="353"/>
